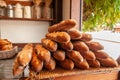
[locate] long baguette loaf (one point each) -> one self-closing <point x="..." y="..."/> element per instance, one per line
<point x="75" y="34"/>
<point x="80" y="46"/>
<point x="67" y="64"/>
<point x="74" y="55"/>
<point x="59" y="55"/>
<point x="82" y="65"/>
<point x="51" y="64"/>
<point x="86" y="37"/>
<point x="49" y="44"/>
<point x="67" y="45"/>
<point x="94" y="46"/>
<point x="62" y="26"/>
<point x="25" y="55"/>
<point x="60" y="37"/>
<point x="89" y="55"/>
<point x="93" y="63"/>
<point x="43" y="54"/>
<point x="36" y="64"/>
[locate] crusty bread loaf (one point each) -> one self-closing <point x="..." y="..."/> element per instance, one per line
<point x="36" y="64"/>
<point x="80" y="46"/>
<point x="17" y="69"/>
<point x="60" y="37"/>
<point x="74" y="55"/>
<point x="43" y="54"/>
<point x="94" y="46"/>
<point x="75" y="34"/>
<point x="49" y="44"/>
<point x="101" y="54"/>
<point x="25" y="55"/>
<point x="63" y="25"/>
<point x="108" y="62"/>
<point x="82" y="65"/>
<point x="67" y="45"/>
<point x="89" y="55"/>
<point x="86" y="37"/>
<point x="67" y="64"/>
<point x="93" y="63"/>
<point x="59" y="55"/>
<point x="50" y="65"/>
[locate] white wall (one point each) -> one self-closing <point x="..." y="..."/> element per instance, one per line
<point x="23" y="31"/>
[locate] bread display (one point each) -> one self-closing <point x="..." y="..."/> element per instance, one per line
<point x="67" y="45"/>
<point x="65" y="48"/>
<point x="59" y="55"/>
<point x="43" y="54"/>
<point x="75" y="34"/>
<point x="60" y="37"/>
<point x="74" y="55"/>
<point x="63" y="25"/>
<point x="49" y="44"/>
<point x="80" y="46"/>
<point x="94" y="46"/>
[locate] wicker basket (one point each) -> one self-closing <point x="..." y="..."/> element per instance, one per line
<point x="8" y="54"/>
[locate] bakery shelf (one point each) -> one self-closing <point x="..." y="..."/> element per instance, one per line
<point x="28" y="19"/>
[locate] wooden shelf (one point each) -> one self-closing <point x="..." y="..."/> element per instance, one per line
<point x="28" y="19"/>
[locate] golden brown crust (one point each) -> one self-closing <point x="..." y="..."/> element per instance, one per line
<point x="50" y="65"/>
<point x="67" y="64"/>
<point x="59" y="55"/>
<point x="108" y="62"/>
<point x="67" y="45"/>
<point x="25" y="55"/>
<point x="43" y="54"/>
<point x="36" y="64"/>
<point x="62" y="26"/>
<point x="82" y="65"/>
<point x="49" y="44"/>
<point x="75" y="34"/>
<point x="80" y="46"/>
<point x="89" y="55"/>
<point x="94" y="63"/>
<point x="74" y="55"/>
<point x="101" y="54"/>
<point x="94" y="46"/>
<point x="86" y="37"/>
<point x="60" y="37"/>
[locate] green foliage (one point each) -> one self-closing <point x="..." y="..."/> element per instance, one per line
<point x="97" y="13"/>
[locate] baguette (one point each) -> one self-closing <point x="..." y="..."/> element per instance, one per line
<point x="49" y="44"/>
<point x="60" y="37"/>
<point x="67" y="45"/>
<point x="25" y="55"/>
<point x="82" y="65"/>
<point x="75" y="34"/>
<point x="50" y="65"/>
<point x="94" y="46"/>
<point x="63" y="25"/>
<point x="89" y="55"/>
<point x="36" y="64"/>
<point x="86" y="37"/>
<point x="94" y="63"/>
<point x="75" y="56"/>
<point x="59" y="55"/>
<point x="80" y="46"/>
<point x="108" y="62"/>
<point x="67" y="64"/>
<point x="43" y="54"/>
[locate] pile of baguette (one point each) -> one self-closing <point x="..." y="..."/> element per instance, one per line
<point x="63" y="46"/>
